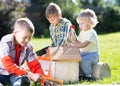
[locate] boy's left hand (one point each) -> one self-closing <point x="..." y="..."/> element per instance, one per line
<point x="34" y="77"/>
<point x="49" y="83"/>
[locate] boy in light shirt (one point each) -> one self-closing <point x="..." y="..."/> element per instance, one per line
<point x="15" y="49"/>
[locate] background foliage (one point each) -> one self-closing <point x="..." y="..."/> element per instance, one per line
<point x="109" y="20"/>
<point x="9" y="12"/>
<point x="107" y="11"/>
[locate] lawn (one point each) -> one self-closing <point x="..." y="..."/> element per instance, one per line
<point x="109" y="51"/>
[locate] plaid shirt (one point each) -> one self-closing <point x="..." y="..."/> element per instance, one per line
<point x="7" y="48"/>
<point x="59" y="33"/>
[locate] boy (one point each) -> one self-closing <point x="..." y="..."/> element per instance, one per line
<point x="59" y="27"/>
<point x="87" y="42"/>
<point x="15" y="49"/>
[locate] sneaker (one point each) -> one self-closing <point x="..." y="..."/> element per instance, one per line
<point x="81" y="78"/>
<point x="90" y="79"/>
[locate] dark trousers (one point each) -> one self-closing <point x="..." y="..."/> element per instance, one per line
<point x="5" y="79"/>
<point x="14" y="80"/>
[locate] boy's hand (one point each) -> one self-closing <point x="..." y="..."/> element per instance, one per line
<point x="49" y="83"/>
<point x="71" y="37"/>
<point x="34" y="77"/>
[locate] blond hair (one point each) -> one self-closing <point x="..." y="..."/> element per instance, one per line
<point x="89" y="15"/>
<point x="52" y="10"/>
<point x="25" y="23"/>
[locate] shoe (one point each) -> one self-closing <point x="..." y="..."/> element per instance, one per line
<point x="90" y="79"/>
<point x="81" y="78"/>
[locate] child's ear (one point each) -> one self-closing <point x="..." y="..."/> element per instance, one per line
<point x="14" y="32"/>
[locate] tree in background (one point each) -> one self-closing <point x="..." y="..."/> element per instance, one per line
<point x="108" y="14"/>
<point x="36" y="12"/>
<point x="109" y="20"/>
<point x="10" y="10"/>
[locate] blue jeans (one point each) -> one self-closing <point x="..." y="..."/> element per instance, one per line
<point x="88" y="59"/>
<point x="14" y="80"/>
<point x="5" y="79"/>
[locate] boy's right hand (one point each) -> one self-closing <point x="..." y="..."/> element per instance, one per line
<point x="34" y="77"/>
<point x="71" y="37"/>
<point x="37" y="78"/>
<point x="49" y="83"/>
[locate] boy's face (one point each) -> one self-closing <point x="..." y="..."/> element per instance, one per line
<point x="84" y="24"/>
<point x="54" y="19"/>
<point x="22" y="37"/>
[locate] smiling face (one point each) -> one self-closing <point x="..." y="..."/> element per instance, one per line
<point x="22" y="37"/>
<point x="23" y="31"/>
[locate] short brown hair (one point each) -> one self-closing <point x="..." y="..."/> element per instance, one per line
<point x="25" y="23"/>
<point x="52" y="10"/>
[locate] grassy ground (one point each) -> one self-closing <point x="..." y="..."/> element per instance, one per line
<point x="109" y="51"/>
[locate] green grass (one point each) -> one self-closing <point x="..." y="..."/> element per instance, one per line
<point x="109" y="50"/>
<point x="40" y="43"/>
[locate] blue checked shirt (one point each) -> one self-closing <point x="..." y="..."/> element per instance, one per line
<point x="59" y="33"/>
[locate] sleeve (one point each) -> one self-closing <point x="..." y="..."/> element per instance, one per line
<point x="35" y="67"/>
<point x="64" y="34"/>
<point x="11" y="67"/>
<point x="32" y="61"/>
<point x="90" y="36"/>
<point x="72" y="28"/>
<point x="52" y="35"/>
<point x="4" y="49"/>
